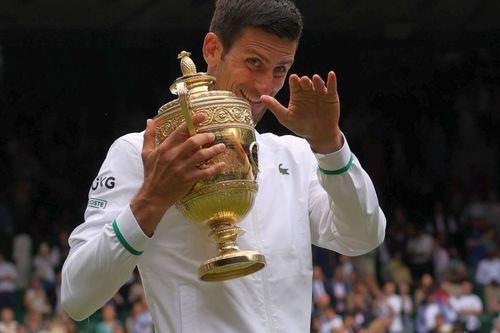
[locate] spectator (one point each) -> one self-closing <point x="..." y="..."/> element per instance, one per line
<point x="71" y="327"/>
<point x="8" y="324"/>
<point x="394" y="304"/>
<point x="407" y="304"/>
<point x="61" y="248"/>
<point x="44" y="264"/>
<point x="109" y="320"/>
<point x="348" y="325"/>
<point x="142" y="321"/>
<point x="397" y="231"/>
<point x="380" y="325"/>
<point x="428" y="312"/>
<point x="441" y="259"/>
<point x="35" y="298"/>
<point x="21" y="254"/>
<point x="361" y="312"/>
<point x="133" y="317"/>
<point x="469" y="307"/>
<point x="58" y="324"/>
<point x="440" y="325"/>
<point x="320" y="297"/>
<point x="347" y="265"/>
<point x="488" y="269"/>
<point x="339" y="288"/>
<point x="419" y="251"/>
<point x="33" y="321"/>
<point x="476" y="243"/>
<point x="23" y="329"/>
<point x="118" y="302"/>
<point x="8" y="276"/>
<point x="365" y="267"/>
<point x="445" y="295"/>
<point x="136" y="289"/>
<point x="443" y="225"/>
<point x="496" y="325"/>
<point x="397" y="270"/>
<point x="457" y="270"/>
<point x="422" y="290"/>
<point x="331" y="321"/>
<point x="488" y="277"/>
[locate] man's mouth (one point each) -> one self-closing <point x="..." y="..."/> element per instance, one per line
<point x="249" y="98"/>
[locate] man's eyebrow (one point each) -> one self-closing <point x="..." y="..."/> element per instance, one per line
<point x="267" y="60"/>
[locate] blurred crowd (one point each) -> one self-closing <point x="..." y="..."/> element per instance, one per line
<point x="441" y="274"/>
<point x="30" y="295"/>
<point x="428" y="137"/>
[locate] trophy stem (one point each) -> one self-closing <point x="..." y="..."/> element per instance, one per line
<point x="225" y="235"/>
<point x="230" y="262"/>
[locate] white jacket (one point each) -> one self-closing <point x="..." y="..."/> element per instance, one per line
<point x="291" y="212"/>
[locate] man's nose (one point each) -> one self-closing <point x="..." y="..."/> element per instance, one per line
<point x="264" y="84"/>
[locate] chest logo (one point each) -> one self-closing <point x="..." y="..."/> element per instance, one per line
<point x="282" y="170"/>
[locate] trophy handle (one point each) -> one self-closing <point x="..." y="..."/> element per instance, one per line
<point x="183" y="94"/>
<point x="254" y="158"/>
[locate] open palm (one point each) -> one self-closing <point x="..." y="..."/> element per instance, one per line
<point x="313" y="111"/>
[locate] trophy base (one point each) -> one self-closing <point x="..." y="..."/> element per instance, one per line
<point x="231" y="266"/>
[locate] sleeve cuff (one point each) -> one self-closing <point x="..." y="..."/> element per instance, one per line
<point x="337" y="162"/>
<point x="129" y="233"/>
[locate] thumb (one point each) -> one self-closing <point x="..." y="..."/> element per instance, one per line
<point x="149" y="136"/>
<point x="275" y="107"/>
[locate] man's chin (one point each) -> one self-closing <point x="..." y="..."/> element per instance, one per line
<point x="257" y="114"/>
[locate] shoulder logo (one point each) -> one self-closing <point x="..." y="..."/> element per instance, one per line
<point x="97" y="203"/>
<point x="103" y="182"/>
<point x="282" y="170"/>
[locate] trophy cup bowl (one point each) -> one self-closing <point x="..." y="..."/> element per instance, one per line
<point x="221" y="201"/>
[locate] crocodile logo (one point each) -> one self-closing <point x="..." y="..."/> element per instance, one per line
<point x="282" y="170"/>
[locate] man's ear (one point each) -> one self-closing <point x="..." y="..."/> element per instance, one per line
<point x="212" y="49"/>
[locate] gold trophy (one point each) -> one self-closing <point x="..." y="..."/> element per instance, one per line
<point x="224" y="199"/>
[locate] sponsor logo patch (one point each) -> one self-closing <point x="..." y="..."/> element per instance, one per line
<point x="97" y="203"/>
<point x="101" y="182"/>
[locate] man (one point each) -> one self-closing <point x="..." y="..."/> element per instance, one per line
<point x="325" y="199"/>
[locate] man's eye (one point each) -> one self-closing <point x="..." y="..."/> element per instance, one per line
<point x="253" y="62"/>
<point x="280" y="71"/>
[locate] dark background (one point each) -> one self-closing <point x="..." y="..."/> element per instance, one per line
<point x="418" y="80"/>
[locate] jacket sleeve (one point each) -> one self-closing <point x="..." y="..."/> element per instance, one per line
<point x="343" y="206"/>
<point x="106" y="248"/>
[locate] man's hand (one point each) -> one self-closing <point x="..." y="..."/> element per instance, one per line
<point x="313" y="111"/>
<point x="171" y="170"/>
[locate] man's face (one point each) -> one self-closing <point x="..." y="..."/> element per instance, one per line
<point x="256" y="64"/>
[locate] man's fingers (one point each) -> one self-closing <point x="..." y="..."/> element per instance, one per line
<point x="198" y="118"/>
<point x="212" y="170"/>
<point x="306" y="83"/>
<point x="331" y="83"/>
<point x="181" y="133"/>
<point x="149" y="136"/>
<point x="207" y="153"/>
<point x="294" y="83"/>
<point x="274" y="106"/>
<point x="318" y="84"/>
<point x="196" y="142"/>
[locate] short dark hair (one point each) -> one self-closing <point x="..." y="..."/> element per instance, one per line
<point x="278" y="17"/>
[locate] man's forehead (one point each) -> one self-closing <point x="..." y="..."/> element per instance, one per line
<point x="263" y="44"/>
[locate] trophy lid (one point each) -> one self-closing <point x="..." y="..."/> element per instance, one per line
<point x="195" y="81"/>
